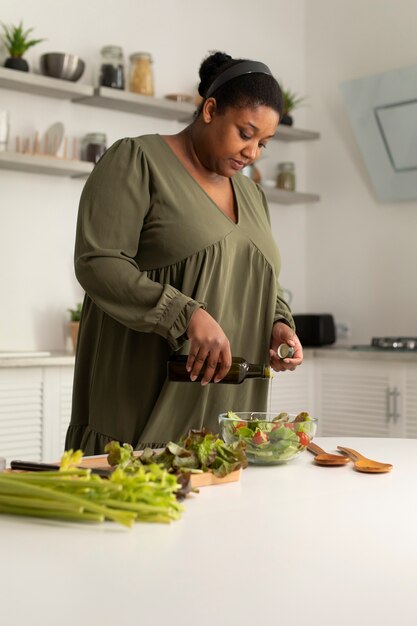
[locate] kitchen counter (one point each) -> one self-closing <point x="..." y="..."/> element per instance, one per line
<point x="292" y="544"/>
<point x="36" y="359"/>
<point x="368" y="353"/>
<point x="326" y="352"/>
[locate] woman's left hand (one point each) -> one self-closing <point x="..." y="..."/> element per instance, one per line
<point x="282" y="333"/>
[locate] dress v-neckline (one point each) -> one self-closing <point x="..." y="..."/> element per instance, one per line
<point x="188" y="173"/>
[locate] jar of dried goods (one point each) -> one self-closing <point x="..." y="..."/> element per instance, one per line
<point x="141" y="74"/>
<point x="286" y="176"/>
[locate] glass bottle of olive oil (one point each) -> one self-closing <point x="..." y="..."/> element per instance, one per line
<point x="240" y="371"/>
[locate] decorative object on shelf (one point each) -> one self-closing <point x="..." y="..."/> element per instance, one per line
<point x="17" y="42"/>
<point x="286" y="176"/>
<point x="141" y="74"/>
<point x="180" y="97"/>
<point x="53" y="137"/>
<point x="112" y="68"/>
<point x="74" y="324"/>
<point x="4" y="130"/>
<point x="93" y="146"/>
<point x="50" y="145"/>
<point x="62" y="65"/>
<point x="291" y="102"/>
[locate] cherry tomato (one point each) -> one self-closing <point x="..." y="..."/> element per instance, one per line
<point x="240" y="425"/>
<point x="260" y="437"/>
<point x="303" y="439"/>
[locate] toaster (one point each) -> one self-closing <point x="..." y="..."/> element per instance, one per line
<point x="315" y="329"/>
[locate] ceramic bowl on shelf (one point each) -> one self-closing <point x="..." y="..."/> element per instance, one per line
<point x="270" y="438"/>
<point x="61" y="65"/>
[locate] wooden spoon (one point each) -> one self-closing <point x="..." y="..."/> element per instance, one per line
<point x="324" y="458"/>
<point x="362" y="464"/>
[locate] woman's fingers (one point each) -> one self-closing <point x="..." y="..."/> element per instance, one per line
<point x="209" y="352"/>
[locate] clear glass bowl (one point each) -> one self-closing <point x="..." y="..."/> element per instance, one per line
<point x="270" y="438"/>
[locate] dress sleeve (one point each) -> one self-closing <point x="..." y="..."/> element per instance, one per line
<point x="282" y="310"/>
<point x="113" y="206"/>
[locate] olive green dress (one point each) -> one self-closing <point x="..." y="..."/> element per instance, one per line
<point x="151" y="248"/>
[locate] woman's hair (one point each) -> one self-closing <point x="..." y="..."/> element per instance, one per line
<point x="247" y="90"/>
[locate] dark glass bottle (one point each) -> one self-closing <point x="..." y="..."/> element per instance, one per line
<point x="240" y="371"/>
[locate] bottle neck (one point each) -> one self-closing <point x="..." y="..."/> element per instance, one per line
<point x="255" y="370"/>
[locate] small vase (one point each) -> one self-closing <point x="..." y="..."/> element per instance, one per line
<point x="74" y="327"/>
<point x="286" y="120"/>
<point x="16" y="63"/>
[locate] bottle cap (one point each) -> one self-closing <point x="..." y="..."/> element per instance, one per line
<point x="285" y="351"/>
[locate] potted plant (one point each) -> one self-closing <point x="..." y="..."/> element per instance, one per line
<point x="74" y="324"/>
<point x="17" y="42"/>
<point x="291" y="101"/>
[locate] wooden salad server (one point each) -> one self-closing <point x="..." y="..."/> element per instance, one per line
<point x="362" y="464"/>
<point x="325" y="458"/>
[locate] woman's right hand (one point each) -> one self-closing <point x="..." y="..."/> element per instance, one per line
<point x="207" y="341"/>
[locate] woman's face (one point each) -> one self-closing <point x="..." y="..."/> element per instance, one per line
<point x="236" y="137"/>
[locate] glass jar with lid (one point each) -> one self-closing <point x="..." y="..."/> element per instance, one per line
<point x="286" y="176"/>
<point x="112" y="68"/>
<point x="141" y="74"/>
<point x="93" y="146"/>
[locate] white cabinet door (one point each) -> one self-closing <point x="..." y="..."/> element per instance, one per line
<point x="293" y="392"/>
<point x="21" y="413"/>
<point x="358" y="398"/>
<point x="57" y="409"/>
<point x="410" y="402"/>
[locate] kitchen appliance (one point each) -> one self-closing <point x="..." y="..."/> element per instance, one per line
<point x="315" y="329"/>
<point x="403" y="344"/>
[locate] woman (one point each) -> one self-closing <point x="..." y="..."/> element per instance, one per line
<point x="175" y="253"/>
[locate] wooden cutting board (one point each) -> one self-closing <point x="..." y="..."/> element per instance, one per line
<point x="197" y="480"/>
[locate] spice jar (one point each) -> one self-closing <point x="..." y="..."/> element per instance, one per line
<point x="112" y="68"/>
<point x="93" y="146"/>
<point x="286" y="176"/>
<point x="141" y="75"/>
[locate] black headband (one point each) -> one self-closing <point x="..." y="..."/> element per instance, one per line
<point x="245" y="67"/>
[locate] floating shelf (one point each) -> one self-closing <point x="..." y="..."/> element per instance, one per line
<point x="42" y="85"/>
<point x="280" y="196"/>
<point x="38" y="164"/>
<point x="118" y="100"/>
<point x="289" y="133"/>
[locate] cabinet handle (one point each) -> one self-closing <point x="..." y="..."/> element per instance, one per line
<point x="395" y="395"/>
<point x="392" y="395"/>
<point x="388" y="396"/>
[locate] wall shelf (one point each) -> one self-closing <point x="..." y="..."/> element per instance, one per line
<point x="36" y="84"/>
<point x="280" y="196"/>
<point x="118" y="100"/>
<point x="289" y="133"/>
<point x="39" y="164"/>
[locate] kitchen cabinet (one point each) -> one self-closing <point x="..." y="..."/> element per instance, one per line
<point x="127" y="102"/>
<point x="365" y="398"/>
<point x="35" y="409"/>
<point x="293" y="392"/>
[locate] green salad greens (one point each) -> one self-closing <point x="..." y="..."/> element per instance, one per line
<point x="198" y="451"/>
<point x="270" y="441"/>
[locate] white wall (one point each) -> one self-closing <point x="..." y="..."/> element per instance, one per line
<point x="38" y="213"/>
<point x="361" y="254"/>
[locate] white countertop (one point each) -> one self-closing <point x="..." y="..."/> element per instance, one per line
<point x="293" y="544"/>
<point x="35" y="358"/>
